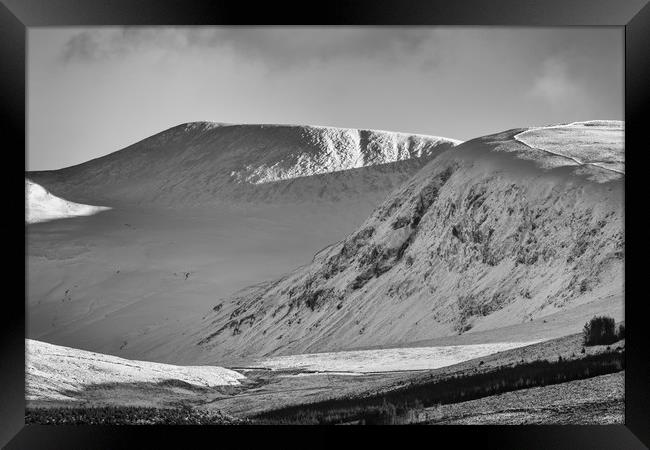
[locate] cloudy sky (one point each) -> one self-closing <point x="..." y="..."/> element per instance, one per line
<point x="94" y="91"/>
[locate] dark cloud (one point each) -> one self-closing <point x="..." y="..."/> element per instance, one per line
<point x="275" y="46"/>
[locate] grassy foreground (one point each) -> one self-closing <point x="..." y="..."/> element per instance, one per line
<point x="126" y="415"/>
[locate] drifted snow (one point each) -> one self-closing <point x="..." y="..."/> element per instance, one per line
<point x="387" y="360"/>
<point x="43" y="206"/>
<point x="60" y="373"/>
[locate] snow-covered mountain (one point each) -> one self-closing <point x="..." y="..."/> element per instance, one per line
<point x="198" y="212"/>
<point x="502" y="230"/>
<point x="205" y="163"/>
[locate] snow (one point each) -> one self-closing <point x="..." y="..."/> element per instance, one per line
<point x="594" y="143"/>
<point x="230" y="205"/>
<point x="59" y="373"/>
<point x="43" y="206"/>
<point x="316" y="374"/>
<point x="386" y="360"/>
<point x="115" y="282"/>
<point x="506" y="235"/>
<point x="510" y="229"/>
<point x="202" y="164"/>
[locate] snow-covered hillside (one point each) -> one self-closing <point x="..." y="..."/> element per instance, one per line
<point x="573" y="145"/>
<point x="55" y="373"/>
<point x="42" y="206"/>
<point x="206" y="163"/>
<point x="256" y="201"/>
<point x="502" y="230"/>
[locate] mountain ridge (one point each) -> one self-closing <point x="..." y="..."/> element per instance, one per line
<point x="201" y="163"/>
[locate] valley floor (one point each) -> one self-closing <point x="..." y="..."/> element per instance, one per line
<point x="265" y="395"/>
<point x="551" y="382"/>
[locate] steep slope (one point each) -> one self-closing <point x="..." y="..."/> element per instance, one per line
<point x="502" y="230"/>
<point x="206" y="163"/>
<point x="43" y="206"/>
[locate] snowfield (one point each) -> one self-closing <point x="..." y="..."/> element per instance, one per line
<point x="387" y="360"/>
<point x="60" y="373"/>
<point x="597" y="143"/>
<point x="43" y="206"/>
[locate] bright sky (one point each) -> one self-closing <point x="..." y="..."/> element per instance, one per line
<point x="93" y="91"/>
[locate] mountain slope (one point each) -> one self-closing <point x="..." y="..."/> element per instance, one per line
<point x="61" y="375"/>
<point x="206" y="163"/>
<point x="198" y="212"/>
<point x="504" y="229"/>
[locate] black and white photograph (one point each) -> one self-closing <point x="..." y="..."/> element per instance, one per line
<point x="325" y="225"/>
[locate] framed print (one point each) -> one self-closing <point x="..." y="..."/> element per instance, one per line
<point x="276" y="218"/>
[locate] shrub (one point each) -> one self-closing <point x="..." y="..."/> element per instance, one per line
<point x="127" y="415"/>
<point x="599" y="331"/>
<point x="621" y="331"/>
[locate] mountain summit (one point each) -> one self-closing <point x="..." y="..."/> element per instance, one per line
<point x="205" y="163"/>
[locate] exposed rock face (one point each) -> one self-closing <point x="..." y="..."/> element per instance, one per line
<point x="206" y="163"/>
<point x="490" y="234"/>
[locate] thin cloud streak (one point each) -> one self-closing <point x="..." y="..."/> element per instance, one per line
<point x="275" y="46"/>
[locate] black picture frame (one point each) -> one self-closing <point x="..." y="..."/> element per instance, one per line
<point x="16" y="16"/>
